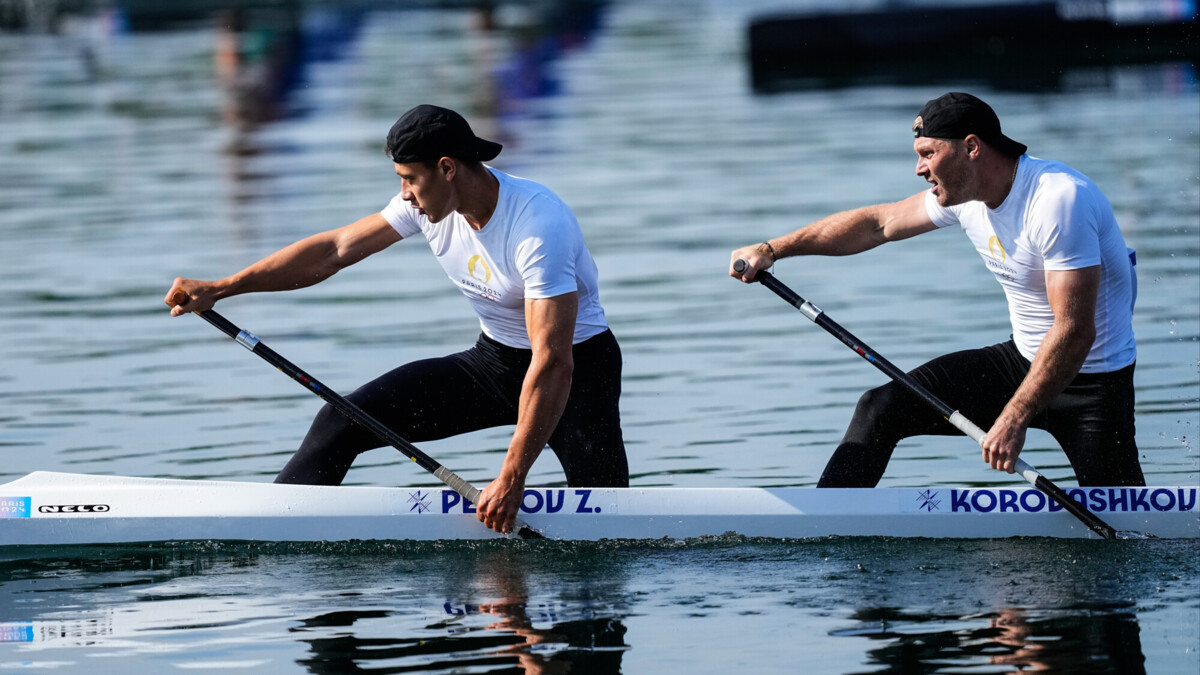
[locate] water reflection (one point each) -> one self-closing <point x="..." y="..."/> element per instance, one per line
<point x="511" y="641"/>
<point x="492" y="623"/>
<point x="267" y="59"/>
<point x="263" y="55"/>
<point x="383" y="607"/>
<point x="115" y="166"/>
<point x="259" y="61"/>
<point x="1098" y="639"/>
<point x="985" y="606"/>
<point x="490" y="620"/>
<point x="584" y="645"/>
<point x="553" y="607"/>
<point x="554" y="31"/>
<point x="104" y="597"/>
<point x="597" y="642"/>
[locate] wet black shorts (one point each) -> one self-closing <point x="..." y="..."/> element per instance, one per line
<point x="477" y="389"/>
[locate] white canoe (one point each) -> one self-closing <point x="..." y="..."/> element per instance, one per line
<point x="46" y="508"/>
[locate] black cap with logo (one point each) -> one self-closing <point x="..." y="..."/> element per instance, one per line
<point x="957" y="115"/>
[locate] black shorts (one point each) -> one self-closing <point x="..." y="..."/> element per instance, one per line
<point x="477" y="389"/>
<point x="1092" y="419"/>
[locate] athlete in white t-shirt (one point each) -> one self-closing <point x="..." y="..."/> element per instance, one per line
<point x="546" y="360"/>
<point x="1049" y="236"/>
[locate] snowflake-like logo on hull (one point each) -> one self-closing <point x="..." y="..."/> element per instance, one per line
<point x="419" y="501"/>
<point x="929" y="500"/>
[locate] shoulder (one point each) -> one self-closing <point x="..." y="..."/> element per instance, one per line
<point x="1051" y="178"/>
<point x="523" y="187"/>
<point x="1061" y="193"/>
<point x="530" y="202"/>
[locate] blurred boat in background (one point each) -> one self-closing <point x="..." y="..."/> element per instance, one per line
<point x="1012" y="45"/>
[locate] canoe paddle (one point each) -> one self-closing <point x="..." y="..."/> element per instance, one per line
<point x="952" y="416"/>
<point x="250" y="341"/>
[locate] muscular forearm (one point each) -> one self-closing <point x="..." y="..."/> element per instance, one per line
<point x="844" y="233"/>
<point x="301" y="264"/>
<point x="544" y="392"/>
<point x="1072" y="297"/>
<point x="543" y="399"/>
<point x="1062" y="353"/>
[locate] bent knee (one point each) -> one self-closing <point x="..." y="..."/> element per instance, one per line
<point x="874" y="402"/>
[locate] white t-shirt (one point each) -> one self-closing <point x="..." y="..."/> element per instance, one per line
<point x="531" y="247"/>
<point x="1054" y="218"/>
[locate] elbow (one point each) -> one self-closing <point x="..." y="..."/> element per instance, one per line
<point x="562" y="366"/>
<point x="333" y="261"/>
<point x="330" y="268"/>
<point x="1080" y="338"/>
<point x="1087" y="338"/>
<point x="1083" y="332"/>
<point x="557" y="367"/>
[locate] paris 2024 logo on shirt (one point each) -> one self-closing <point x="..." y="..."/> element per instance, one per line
<point x="478" y="268"/>
<point x="997" y="259"/>
<point x="480" y="274"/>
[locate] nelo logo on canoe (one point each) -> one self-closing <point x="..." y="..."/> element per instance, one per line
<point x="73" y="508"/>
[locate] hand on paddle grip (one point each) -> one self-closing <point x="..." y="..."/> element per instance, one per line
<point x="747" y="261"/>
<point x="187" y="295"/>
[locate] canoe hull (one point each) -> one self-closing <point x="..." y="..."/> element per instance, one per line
<point x="46" y="508"/>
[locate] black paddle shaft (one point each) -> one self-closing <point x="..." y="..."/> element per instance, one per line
<point x="352" y="411"/>
<point x="832" y="327"/>
<point x="835" y="329"/>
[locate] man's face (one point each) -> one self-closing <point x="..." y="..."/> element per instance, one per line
<point x="943" y="163"/>
<point x="426" y="188"/>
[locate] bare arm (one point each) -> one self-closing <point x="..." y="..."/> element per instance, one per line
<point x="1072" y="295"/>
<point x="551" y="325"/>
<point x="301" y="264"/>
<point x="844" y="233"/>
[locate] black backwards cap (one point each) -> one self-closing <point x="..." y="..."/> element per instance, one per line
<point x="956" y="115"/>
<point x="428" y="132"/>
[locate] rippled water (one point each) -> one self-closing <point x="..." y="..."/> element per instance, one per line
<point x="715" y="606"/>
<point x="129" y="155"/>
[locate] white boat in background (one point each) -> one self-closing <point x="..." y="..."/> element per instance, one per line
<point x="47" y="508"/>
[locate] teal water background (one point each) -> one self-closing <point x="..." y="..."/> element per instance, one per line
<point x="132" y="153"/>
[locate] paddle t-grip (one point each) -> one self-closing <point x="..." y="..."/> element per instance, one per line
<point x="740" y="265"/>
<point x="179" y="297"/>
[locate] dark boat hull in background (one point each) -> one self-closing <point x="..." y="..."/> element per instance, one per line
<point x="1025" y="46"/>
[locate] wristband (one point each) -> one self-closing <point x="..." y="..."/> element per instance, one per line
<point x="770" y="249"/>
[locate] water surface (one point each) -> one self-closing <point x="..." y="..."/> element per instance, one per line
<point x="133" y="153"/>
